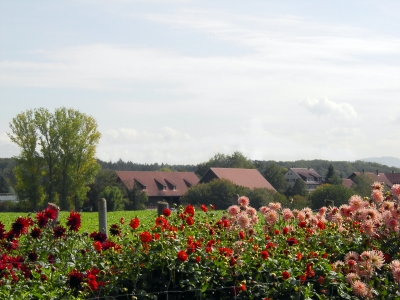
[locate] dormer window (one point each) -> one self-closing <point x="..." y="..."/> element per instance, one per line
<point x="164" y="187"/>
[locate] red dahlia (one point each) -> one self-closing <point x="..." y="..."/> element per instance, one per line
<point x="59" y="231"/>
<point x="182" y="256"/>
<point x="20" y="226"/>
<point x="189" y="210"/>
<point x="98" y="236"/>
<point x="166" y="212"/>
<point x="145" y="237"/>
<point x="42" y="219"/>
<point x="189" y="221"/>
<point x="134" y="223"/>
<point x="74" y="221"/>
<point x="285" y="275"/>
<point x="75" y="278"/>
<point x="33" y="256"/>
<point x="292" y="241"/>
<point x="115" y="229"/>
<point x="36" y="233"/>
<point x="264" y="254"/>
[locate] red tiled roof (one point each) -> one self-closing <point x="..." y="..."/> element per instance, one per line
<point x="156" y="181"/>
<point x="394" y="178"/>
<point x="249" y="178"/>
<point x="380" y="177"/>
<point x="348" y="183"/>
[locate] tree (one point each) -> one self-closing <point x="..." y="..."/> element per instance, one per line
<point x="114" y="198"/>
<point x="3" y="184"/>
<point x="275" y="176"/>
<point x="103" y="179"/>
<point x="222" y="193"/>
<point x="260" y="197"/>
<point x="299" y="188"/>
<point x="331" y="177"/>
<point x="29" y="163"/>
<point x="299" y="202"/>
<point x="334" y="192"/>
<point x="57" y="155"/>
<point x="137" y="198"/>
<point x="236" y="160"/>
<point x="362" y="185"/>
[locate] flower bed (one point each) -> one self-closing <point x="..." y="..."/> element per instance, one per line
<point x="350" y="252"/>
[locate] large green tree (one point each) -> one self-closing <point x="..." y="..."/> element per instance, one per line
<point x="236" y="160"/>
<point x="57" y="159"/>
<point x="275" y="176"/>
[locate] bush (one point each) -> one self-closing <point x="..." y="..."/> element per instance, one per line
<point x="334" y="192"/>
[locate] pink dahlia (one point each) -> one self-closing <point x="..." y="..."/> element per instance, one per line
<point x="359" y="288"/>
<point x="396" y="190"/>
<point x="275" y="205"/>
<point x="243" y="201"/>
<point x="377" y="195"/>
<point x="243" y="220"/>
<point x="233" y="210"/>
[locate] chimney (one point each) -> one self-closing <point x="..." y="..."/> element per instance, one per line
<point x="308" y="168"/>
<point x="377" y="172"/>
<point x="363" y="171"/>
<point x="392" y="171"/>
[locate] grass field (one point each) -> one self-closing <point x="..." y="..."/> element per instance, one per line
<point x="90" y="220"/>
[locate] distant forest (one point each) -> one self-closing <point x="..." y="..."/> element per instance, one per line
<point x="121" y="165"/>
<point x="342" y="168"/>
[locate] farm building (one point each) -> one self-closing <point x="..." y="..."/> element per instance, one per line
<point x="250" y="178"/>
<point x="159" y="186"/>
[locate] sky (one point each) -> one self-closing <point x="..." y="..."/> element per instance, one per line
<point x="177" y="82"/>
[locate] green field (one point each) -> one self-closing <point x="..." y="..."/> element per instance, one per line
<point x="90" y="220"/>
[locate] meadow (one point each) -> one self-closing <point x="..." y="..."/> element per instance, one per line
<point x="90" y="220"/>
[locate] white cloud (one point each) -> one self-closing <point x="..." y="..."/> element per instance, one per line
<point x="327" y="108"/>
<point x="124" y="135"/>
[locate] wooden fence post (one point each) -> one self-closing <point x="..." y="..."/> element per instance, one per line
<point x="102" y="204"/>
<point x="161" y="205"/>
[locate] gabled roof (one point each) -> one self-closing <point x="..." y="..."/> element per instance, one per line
<point x="394" y="178"/>
<point x="155" y="182"/>
<point x="305" y="172"/>
<point x="388" y="178"/>
<point x="346" y="182"/>
<point x="249" y="178"/>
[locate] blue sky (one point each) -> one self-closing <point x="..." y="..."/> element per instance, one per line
<point x="179" y="81"/>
